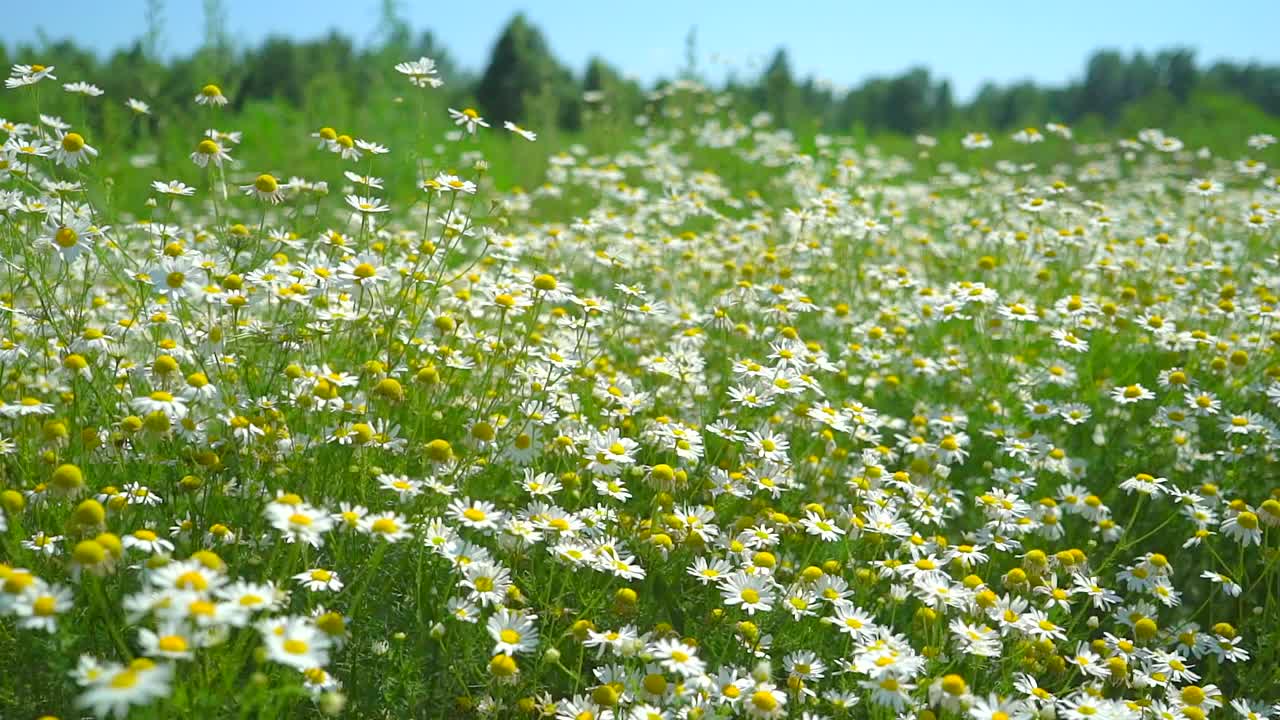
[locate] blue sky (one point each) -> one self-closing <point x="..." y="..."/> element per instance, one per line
<point x="844" y="42"/>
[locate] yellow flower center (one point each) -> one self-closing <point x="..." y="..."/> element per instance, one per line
<point x="124" y="680"/>
<point x="202" y="607"/>
<point x="764" y="701"/>
<point x="45" y="606"/>
<point x="66" y="237"/>
<point x="72" y="142"/>
<point x="266" y="184"/>
<point x="172" y="644"/>
<point x="191" y="580"/>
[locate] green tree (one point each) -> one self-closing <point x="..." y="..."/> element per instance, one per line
<point x="522" y="68"/>
<point x="1104" y="85"/>
<point x="777" y="91"/>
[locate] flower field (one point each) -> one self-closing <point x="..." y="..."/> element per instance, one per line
<point x="715" y="422"/>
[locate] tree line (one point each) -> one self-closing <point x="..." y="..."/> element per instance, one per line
<point x="523" y="81"/>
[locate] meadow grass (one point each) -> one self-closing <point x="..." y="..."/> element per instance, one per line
<point x="686" y="417"/>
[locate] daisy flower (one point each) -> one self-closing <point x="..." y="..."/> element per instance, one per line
<point x="73" y="150"/>
<point x="296" y="642"/>
<point x="319" y="580"/>
<point x="421" y="72"/>
<point x="113" y="689"/>
<point x="467" y="118"/>
<point x="513" y="632"/>
<point x="526" y="134"/>
<point x="211" y="95"/>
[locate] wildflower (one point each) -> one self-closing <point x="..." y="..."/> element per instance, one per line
<point x="173" y="188"/>
<point x="468" y="118"/>
<point x="1131" y="394"/>
<point x="366" y="205"/>
<point x="209" y="151"/>
<point x="113" y="689"/>
<point x="765" y="701"/>
<point x="171" y="641"/>
<point x="265" y="188"/>
<point x="513" y="633"/>
<point x="73" y="150"/>
<point x="526" y="134"/>
<point x="478" y="515"/>
<point x="752" y="592"/>
<point x="39" y="606"/>
<point x="20" y="75"/>
<point x="300" y="523"/>
<point x="83" y="88"/>
<point x="420" y="72"/>
<point x="677" y="657"/>
<point x="389" y="526"/>
<point x="1244" y="528"/>
<point x="212" y="96"/>
<point x="319" y="580"/>
<point x="295" y="642"/>
<point x="445" y="182"/>
<point x="69" y="238"/>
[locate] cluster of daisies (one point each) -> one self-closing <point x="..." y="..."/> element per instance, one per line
<point x="854" y="435"/>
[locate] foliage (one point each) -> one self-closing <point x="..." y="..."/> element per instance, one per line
<point x="341" y="402"/>
<point x="523" y="75"/>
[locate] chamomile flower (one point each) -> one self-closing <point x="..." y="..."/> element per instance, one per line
<point x="677" y="657"/>
<point x="319" y="580"/>
<point x="211" y="95"/>
<point x="295" y="642"/>
<point x="421" y="72"/>
<point x="367" y="205"/>
<point x="266" y="188"/>
<point x="300" y="523"/>
<point x="209" y="152"/>
<point x="467" y="118"/>
<point x="72" y="150"/>
<point x="513" y="632"/>
<point x="753" y="593"/>
<point x="389" y="526"/>
<point x="111" y="690"/>
<point x="526" y="134"/>
<point x="39" y="606"/>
